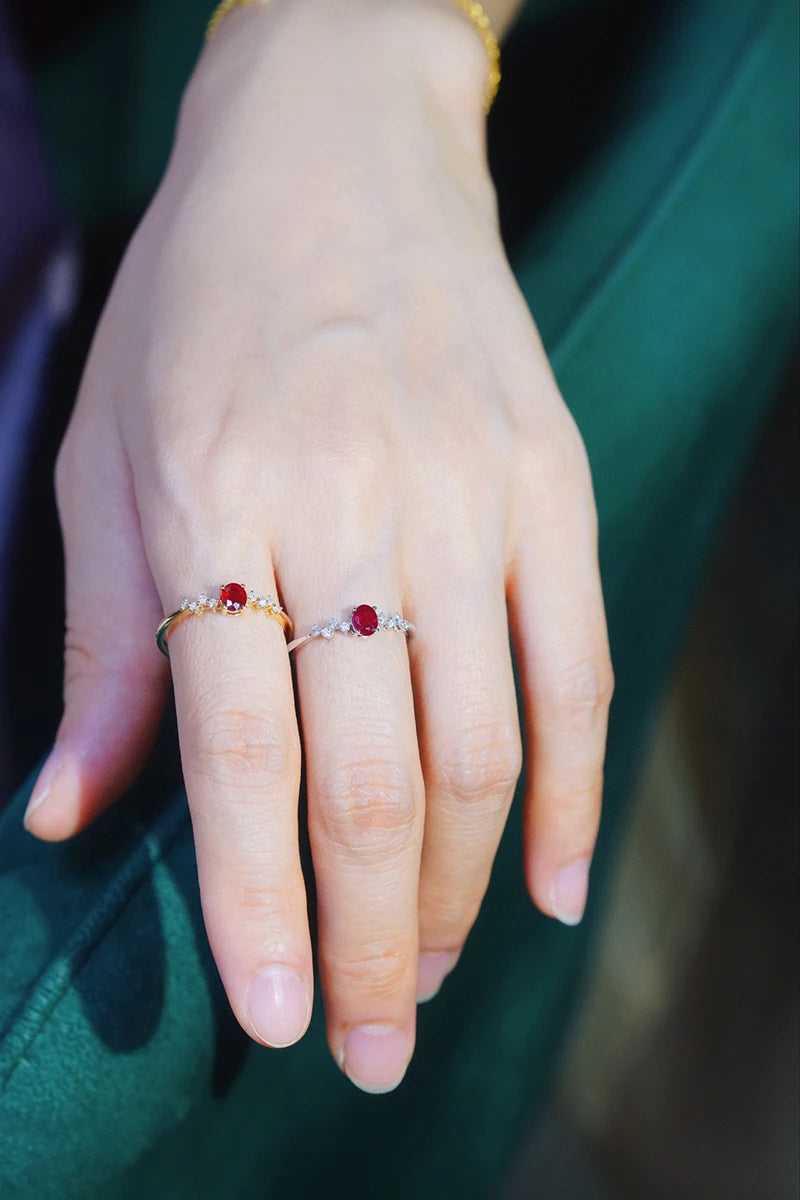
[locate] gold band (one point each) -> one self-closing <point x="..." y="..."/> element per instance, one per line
<point x="203" y="603"/>
<point x="472" y="10"/>
<point x="221" y="11"/>
<point x="480" y="20"/>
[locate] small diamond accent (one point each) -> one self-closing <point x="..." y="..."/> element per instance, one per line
<point x="326" y="633"/>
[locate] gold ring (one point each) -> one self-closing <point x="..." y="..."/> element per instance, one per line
<point x="233" y="598"/>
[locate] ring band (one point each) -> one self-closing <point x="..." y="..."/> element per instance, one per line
<point x="366" y="620"/>
<point x="233" y="598"/>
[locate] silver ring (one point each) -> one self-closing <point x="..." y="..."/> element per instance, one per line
<point x="366" y="620"/>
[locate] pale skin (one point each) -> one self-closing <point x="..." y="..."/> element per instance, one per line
<point x="316" y="375"/>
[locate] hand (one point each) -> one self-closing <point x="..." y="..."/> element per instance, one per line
<point x="315" y="374"/>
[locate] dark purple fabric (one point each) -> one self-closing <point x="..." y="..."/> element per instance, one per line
<point x="37" y="274"/>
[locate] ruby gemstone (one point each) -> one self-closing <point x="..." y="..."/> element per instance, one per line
<point x="365" y="620"/>
<point x="233" y="597"/>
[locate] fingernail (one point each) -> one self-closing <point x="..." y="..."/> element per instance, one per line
<point x="279" y="1006"/>
<point x="431" y="972"/>
<point x="45" y="782"/>
<point x="569" y="891"/>
<point x="375" y="1057"/>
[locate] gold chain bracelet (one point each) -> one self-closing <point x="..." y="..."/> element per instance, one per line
<point x="220" y="13"/>
<point x="479" y="19"/>
<point x="471" y="9"/>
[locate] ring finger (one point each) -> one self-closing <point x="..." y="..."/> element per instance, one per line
<point x="365" y="813"/>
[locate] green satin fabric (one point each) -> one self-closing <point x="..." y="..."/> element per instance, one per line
<point x="664" y="284"/>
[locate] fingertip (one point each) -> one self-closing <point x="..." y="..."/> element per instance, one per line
<point x="108" y="728"/>
<point x="279" y="1006"/>
<point x="562" y="892"/>
<point x="50" y="813"/>
<point x="432" y="970"/>
<point x="103" y="740"/>
<point x="375" y="1057"/>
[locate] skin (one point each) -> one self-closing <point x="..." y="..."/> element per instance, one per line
<point x="315" y="374"/>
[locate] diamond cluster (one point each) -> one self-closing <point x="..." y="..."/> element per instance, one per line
<point x="253" y="600"/>
<point x="360" y="625"/>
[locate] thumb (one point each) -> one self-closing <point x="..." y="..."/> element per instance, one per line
<point x="115" y="681"/>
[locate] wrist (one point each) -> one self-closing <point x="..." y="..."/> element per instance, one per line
<point x="422" y="49"/>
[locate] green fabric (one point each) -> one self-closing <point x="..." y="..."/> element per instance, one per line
<point x="110" y="103"/>
<point x="665" y="287"/>
<point x="535" y="11"/>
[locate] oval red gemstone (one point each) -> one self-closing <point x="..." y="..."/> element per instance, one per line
<point x="365" y="620"/>
<point x="233" y="597"/>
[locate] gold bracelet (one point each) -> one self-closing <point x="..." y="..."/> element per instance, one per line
<point x="483" y="25"/>
<point x="220" y="13"/>
<point x="470" y="9"/>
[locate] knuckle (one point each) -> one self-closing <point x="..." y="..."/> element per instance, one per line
<point x="222" y="455"/>
<point x="379" y="970"/>
<point x="89" y="657"/>
<point x="351" y="466"/>
<point x="448" y="914"/>
<point x="580" y="696"/>
<point x="461" y="517"/>
<point x="80" y="660"/>
<point x="571" y="804"/>
<point x="262" y="903"/>
<point x="365" y="460"/>
<point x="234" y="746"/>
<point x="555" y="462"/>
<point x="369" y="805"/>
<point x="481" y="767"/>
<point x="575" y="454"/>
<point x="568" y="454"/>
